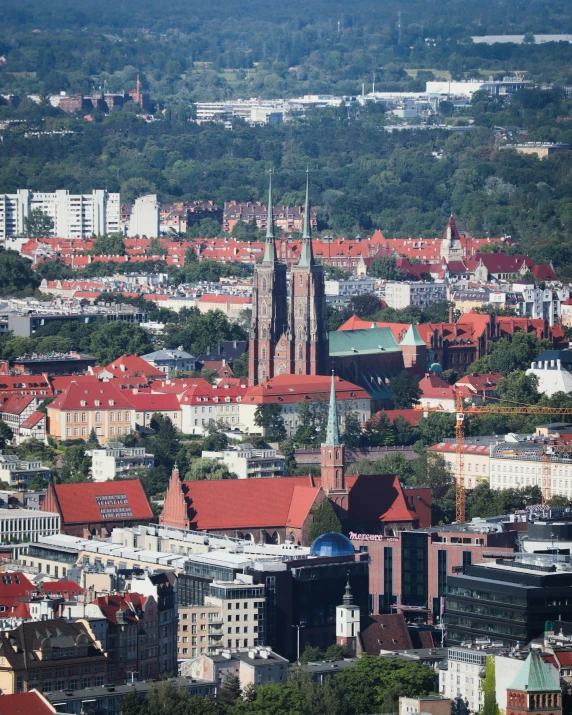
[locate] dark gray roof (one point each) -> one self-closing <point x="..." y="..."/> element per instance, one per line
<point x="227" y="349"/>
<point x="565" y="356"/>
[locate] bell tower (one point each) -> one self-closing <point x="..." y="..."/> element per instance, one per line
<point x="308" y="323"/>
<point x="332" y="460"/>
<point x="348" y="621"/>
<point x="269" y="301"/>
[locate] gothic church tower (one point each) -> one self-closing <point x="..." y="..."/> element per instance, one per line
<point x="269" y="299"/>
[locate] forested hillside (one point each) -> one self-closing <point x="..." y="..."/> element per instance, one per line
<point x="193" y="50"/>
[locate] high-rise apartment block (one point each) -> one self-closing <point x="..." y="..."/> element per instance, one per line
<point x="74" y="215"/>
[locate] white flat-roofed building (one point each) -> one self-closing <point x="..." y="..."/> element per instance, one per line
<point x="27" y="524"/>
<point x="145" y="220"/>
<point x="74" y="215"/>
<point x="400" y="294"/>
<point x="116" y="460"/>
<point x="15" y="471"/>
<point x="248" y="462"/>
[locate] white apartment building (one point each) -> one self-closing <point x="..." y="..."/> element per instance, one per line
<point x="520" y="465"/>
<point x="144" y="220"/>
<point x="351" y="287"/>
<point x="74" y="215"/>
<point x="240" y="604"/>
<point x="27" y="524"/>
<point x="461" y="674"/>
<point x="247" y="462"/>
<point x="116" y="460"/>
<point x="538" y="303"/>
<point x="14" y="471"/>
<point x="400" y="294"/>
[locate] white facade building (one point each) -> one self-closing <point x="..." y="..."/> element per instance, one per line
<point x="400" y="294"/>
<point x="351" y="287"/>
<point x="27" y="524"/>
<point x="15" y="471"/>
<point x="537" y="303"/>
<point x="552" y="377"/>
<point x="242" y="606"/>
<point x="116" y="460"/>
<point x="74" y="215"/>
<point x="247" y="462"/>
<point x="144" y="220"/>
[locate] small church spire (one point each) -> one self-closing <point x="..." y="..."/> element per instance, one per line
<point x="306" y="253"/>
<point x="333" y="432"/>
<point x="270" y="248"/>
<point x="348" y="599"/>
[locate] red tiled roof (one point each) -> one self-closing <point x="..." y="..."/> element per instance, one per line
<point x="294" y="388"/>
<point x="94" y="394"/>
<point x="34" y="419"/>
<point x="64" y="589"/>
<point x="78" y="505"/>
<point x="412" y="416"/>
<point x="432" y="386"/>
<point x="30" y="703"/>
<point x="150" y="402"/>
<point x="286" y="501"/>
<point x="179" y="385"/>
<point x="133" y="365"/>
<point x="26" y="384"/>
<point x="113" y="603"/>
<point x="16" y="404"/>
<point x="385" y="632"/>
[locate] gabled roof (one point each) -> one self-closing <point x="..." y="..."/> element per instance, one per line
<point x="364" y="342"/>
<point x="30" y="703"/>
<point x="32" y="420"/>
<point x="62" y="589"/>
<point x="26" y="384"/>
<point x="534" y="676"/>
<point x="16" y="404"/>
<point x="295" y="388"/>
<point x="96" y="502"/>
<point x="434" y="387"/>
<point x="385" y="632"/>
<point x="132" y="365"/>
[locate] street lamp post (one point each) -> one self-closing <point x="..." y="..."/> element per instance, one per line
<point x="297" y="627"/>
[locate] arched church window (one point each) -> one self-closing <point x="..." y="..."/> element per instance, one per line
<point x="330" y="454"/>
<point x="264" y="333"/>
<point x="264" y="353"/>
<point x="263" y="308"/>
<point x="338" y="480"/>
<point x="337" y="453"/>
<point x="301" y="280"/>
<point x="263" y="374"/>
<point x="299" y="352"/>
<point x="264" y="284"/>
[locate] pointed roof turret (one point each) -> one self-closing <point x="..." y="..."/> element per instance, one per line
<point x="534" y="676"/>
<point x="348" y="599"/>
<point x="451" y="231"/>
<point x="306" y="253"/>
<point x="270" y="247"/>
<point x="333" y="432"/>
<point x="412" y="337"/>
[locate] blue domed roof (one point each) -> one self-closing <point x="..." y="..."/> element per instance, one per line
<point x="332" y="544"/>
<point x="435" y="367"/>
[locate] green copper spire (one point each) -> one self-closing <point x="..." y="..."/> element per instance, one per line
<point x="333" y="432"/>
<point x="270" y="248"/>
<point x="306" y="253"/>
<point x="412" y="337"/>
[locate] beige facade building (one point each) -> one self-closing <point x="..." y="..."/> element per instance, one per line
<point x="476" y="461"/>
<point x="199" y="631"/>
<point x="252" y="666"/>
<point x="240" y="605"/>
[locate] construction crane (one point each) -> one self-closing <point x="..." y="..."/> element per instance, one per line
<point x="498" y="409"/>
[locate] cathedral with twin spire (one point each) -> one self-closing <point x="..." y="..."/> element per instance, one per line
<point x="288" y="334"/>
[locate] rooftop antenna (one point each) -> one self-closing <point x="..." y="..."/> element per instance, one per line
<point x="373" y="86"/>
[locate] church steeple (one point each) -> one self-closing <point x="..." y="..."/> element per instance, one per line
<point x="348" y="599"/>
<point x="333" y="431"/>
<point x="306" y="253"/>
<point x="270" y="247"/>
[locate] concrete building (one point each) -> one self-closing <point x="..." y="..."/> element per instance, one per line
<point x="144" y="220"/>
<point x="74" y="216"/>
<point x="466" y="88"/>
<point x="15" y="471"/>
<point x="27" y="524"/>
<point x="351" y="287"/>
<point x="432" y="704"/>
<point x="252" y="666"/>
<point x="247" y="462"/>
<point x="199" y="631"/>
<point x="539" y="149"/>
<point x="540" y="303"/>
<point x="116" y="460"/>
<point x="552" y="376"/>
<point x="241" y="605"/>
<point x="400" y="294"/>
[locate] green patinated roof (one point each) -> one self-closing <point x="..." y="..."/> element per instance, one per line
<point x="363" y="342"/>
<point x="412" y="337"/>
<point x="333" y="432"/>
<point x="534" y="677"/>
